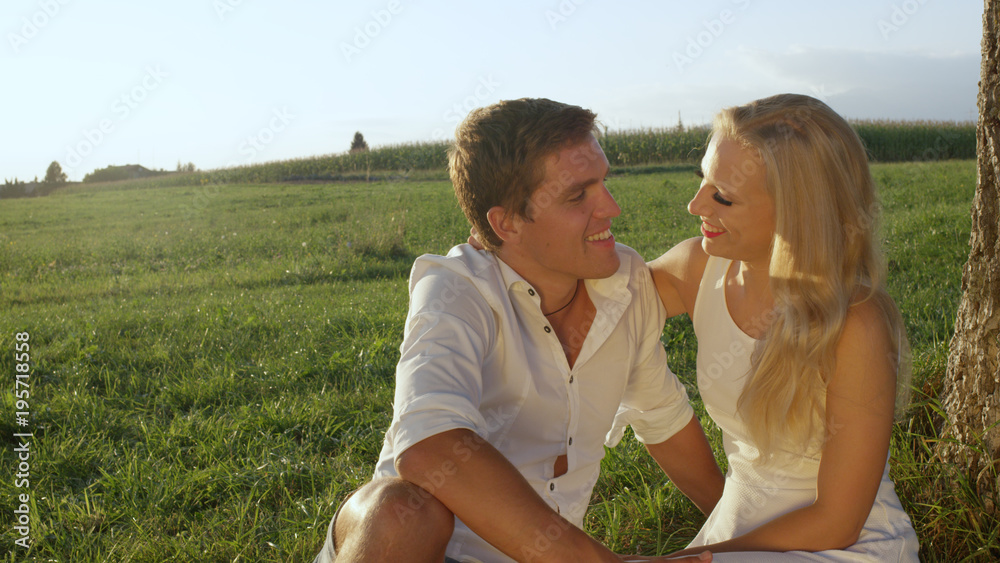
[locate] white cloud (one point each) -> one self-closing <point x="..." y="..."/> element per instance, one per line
<point x="873" y="84"/>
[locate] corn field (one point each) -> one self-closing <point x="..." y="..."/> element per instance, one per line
<point x="887" y="141"/>
<point x="890" y="141"/>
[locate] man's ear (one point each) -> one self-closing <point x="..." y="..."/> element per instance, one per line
<point x="506" y="225"/>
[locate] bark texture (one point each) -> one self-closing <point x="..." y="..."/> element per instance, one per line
<point x="971" y="393"/>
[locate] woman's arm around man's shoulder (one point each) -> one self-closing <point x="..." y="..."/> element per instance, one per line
<point x="677" y="275"/>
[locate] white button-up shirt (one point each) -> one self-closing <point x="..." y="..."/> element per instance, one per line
<point x="478" y="353"/>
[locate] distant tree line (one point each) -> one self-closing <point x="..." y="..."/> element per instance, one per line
<point x="54" y="178"/>
<point x="127" y="172"/>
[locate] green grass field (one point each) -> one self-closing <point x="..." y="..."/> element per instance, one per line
<point x="212" y="366"/>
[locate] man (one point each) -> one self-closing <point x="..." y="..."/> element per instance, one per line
<point x="520" y="362"/>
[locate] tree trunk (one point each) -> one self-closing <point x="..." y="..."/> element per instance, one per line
<point x="971" y="394"/>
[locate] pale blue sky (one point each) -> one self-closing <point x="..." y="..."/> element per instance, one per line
<point x="228" y="82"/>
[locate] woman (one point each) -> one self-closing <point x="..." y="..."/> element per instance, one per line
<point x="801" y="352"/>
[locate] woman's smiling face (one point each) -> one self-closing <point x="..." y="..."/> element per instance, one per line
<point x="736" y="211"/>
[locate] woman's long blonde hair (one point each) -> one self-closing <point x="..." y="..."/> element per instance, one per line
<point x="824" y="258"/>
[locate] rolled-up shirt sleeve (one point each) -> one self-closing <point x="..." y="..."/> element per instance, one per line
<point x="439" y="375"/>
<point x="655" y="403"/>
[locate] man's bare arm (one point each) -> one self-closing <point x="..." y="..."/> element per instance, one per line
<point x="687" y="459"/>
<point x="483" y="489"/>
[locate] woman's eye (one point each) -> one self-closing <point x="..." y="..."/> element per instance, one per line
<point x="721" y="199"/>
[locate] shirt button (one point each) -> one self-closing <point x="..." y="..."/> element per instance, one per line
<point x="552" y="486"/>
<point x="571" y="441"/>
<point x="531" y="292"/>
<point x="547" y="329"/>
<point x="571" y="379"/>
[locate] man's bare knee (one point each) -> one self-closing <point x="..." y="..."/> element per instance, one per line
<point x="392" y="517"/>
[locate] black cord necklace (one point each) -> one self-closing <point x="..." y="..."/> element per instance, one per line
<point x="568" y="302"/>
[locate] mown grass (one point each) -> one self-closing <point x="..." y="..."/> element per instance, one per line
<point x="213" y="366"/>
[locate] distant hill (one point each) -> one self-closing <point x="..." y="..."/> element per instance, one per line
<point x="126" y="172"/>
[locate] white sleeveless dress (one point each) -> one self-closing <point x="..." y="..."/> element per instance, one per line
<point x="754" y="495"/>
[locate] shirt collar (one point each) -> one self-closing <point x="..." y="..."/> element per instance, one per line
<point x="613" y="287"/>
